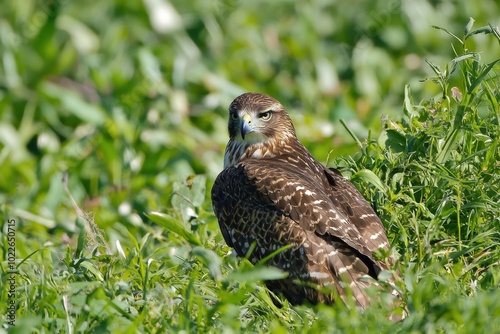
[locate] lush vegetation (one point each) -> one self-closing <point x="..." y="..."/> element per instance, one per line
<point x="112" y="130"/>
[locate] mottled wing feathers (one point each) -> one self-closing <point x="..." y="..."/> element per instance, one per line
<point x="309" y="199"/>
<point x="273" y="204"/>
<point x="359" y="211"/>
<point x="249" y="212"/>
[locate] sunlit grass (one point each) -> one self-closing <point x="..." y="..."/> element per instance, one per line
<point x="139" y="130"/>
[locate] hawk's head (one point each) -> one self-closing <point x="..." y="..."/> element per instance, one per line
<point x="258" y="126"/>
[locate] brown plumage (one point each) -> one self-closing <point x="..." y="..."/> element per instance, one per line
<point x="273" y="193"/>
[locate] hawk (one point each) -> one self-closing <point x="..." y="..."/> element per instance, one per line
<point x="272" y="193"/>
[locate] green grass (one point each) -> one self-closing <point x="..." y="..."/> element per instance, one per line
<point x="127" y="113"/>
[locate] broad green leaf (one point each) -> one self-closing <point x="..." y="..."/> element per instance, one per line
<point x="464" y="57"/>
<point x="75" y="104"/>
<point x="370" y="177"/>
<point x="189" y="195"/>
<point x="408" y="106"/>
<point x="482" y="30"/>
<point x="174" y="226"/>
<point x="395" y="140"/>
<point x="468" y="27"/>
<point x="93" y="269"/>
<point x="31" y="217"/>
<point x="197" y="186"/>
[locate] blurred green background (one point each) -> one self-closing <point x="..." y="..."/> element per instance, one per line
<point x="130" y="97"/>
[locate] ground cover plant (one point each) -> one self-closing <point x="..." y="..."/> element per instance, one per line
<point x="111" y="136"/>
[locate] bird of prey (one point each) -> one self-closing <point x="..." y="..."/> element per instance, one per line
<point x="272" y="193"/>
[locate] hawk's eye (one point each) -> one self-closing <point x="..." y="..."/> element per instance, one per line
<point x="265" y="116"/>
<point x="234" y="116"/>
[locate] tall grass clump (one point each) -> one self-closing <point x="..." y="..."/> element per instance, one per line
<point x="440" y="171"/>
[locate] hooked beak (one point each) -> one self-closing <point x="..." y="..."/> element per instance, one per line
<point x="245" y="125"/>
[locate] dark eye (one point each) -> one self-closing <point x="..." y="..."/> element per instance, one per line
<point x="234" y="116"/>
<point x="265" y="116"/>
